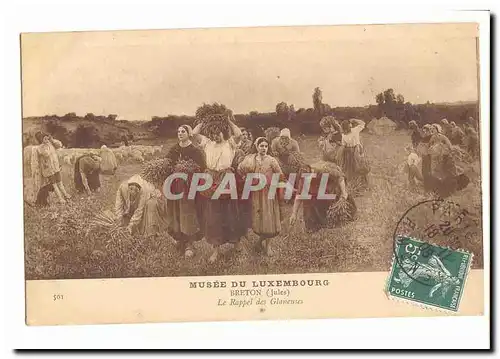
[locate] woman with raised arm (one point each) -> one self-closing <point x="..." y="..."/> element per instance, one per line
<point x="222" y="222"/>
<point x="354" y="163"/>
<point x="46" y="169"/>
<point x="330" y="142"/>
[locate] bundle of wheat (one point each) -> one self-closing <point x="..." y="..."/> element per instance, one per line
<point x="295" y="163"/>
<point x="355" y="187"/>
<point x="328" y="121"/>
<point x="156" y="171"/>
<point x="214" y="124"/>
<point x="339" y="213"/>
<point x="106" y="222"/>
<point x="187" y="166"/>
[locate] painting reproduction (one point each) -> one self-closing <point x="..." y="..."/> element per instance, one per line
<point x="253" y="173"/>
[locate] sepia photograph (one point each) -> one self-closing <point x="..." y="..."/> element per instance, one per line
<point x="389" y="112"/>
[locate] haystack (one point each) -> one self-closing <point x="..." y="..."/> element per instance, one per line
<point x="381" y="126"/>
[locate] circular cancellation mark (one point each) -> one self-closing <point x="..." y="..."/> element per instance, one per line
<point x="437" y="223"/>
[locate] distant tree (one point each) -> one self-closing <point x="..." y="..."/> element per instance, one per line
<point x="291" y="112"/>
<point x="380" y="99"/>
<point x="326" y="109"/>
<point x="112" y="117"/>
<point x="69" y="116"/>
<point x="282" y="109"/>
<point x="400" y="99"/>
<point x="58" y="131"/>
<point x="254" y="113"/>
<point x="89" y="116"/>
<point x="317" y="100"/>
<point x="86" y="136"/>
<point x="389" y="97"/>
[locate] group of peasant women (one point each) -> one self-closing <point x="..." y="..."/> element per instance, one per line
<point x="227" y="220"/>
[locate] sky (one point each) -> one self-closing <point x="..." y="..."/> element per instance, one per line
<point x="139" y="74"/>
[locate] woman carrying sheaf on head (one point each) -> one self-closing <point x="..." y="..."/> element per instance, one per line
<point x="354" y="162"/>
<point x="222" y="222"/>
<point x="184" y="216"/>
<point x="266" y="214"/>
<point x="330" y="142"/>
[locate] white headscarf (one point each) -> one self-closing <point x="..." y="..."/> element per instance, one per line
<point x="438" y="128"/>
<point x="285" y="133"/>
<point x="257" y="140"/>
<point x="188" y="129"/>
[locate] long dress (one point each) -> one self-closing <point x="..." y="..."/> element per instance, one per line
<point x="354" y="163"/>
<point x="222" y="217"/>
<point x="266" y="212"/>
<point x="184" y="216"/>
<point x="40" y="185"/>
<point x="145" y="214"/>
<point x="315" y="209"/>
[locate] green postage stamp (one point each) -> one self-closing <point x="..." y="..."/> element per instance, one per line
<point x="427" y="274"/>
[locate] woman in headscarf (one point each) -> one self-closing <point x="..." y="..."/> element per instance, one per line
<point x="457" y="135"/>
<point x="416" y="133"/>
<point x="87" y="173"/>
<point x="221" y="217"/>
<point x="330" y="143"/>
<point x="245" y="144"/>
<point x="472" y="140"/>
<point x="282" y="145"/>
<point x="315" y="210"/>
<point x="446" y="128"/>
<point x="184" y="216"/>
<point x="440" y="173"/>
<point x="46" y="170"/>
<point x="354" y="163"/>
<point x="265" y="214"/>
<point x="139" y="207"/>
<point x="109" y="163"/>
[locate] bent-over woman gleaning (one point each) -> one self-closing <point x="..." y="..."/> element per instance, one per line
<point x="318" y="211"/>
<point x="86" y="173"/>
<point x="140" y="207"/>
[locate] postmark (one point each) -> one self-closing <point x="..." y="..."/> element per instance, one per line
<point x="443" y="223"/>
<point x="428" y="275"/>
<point x="432" y="253"/>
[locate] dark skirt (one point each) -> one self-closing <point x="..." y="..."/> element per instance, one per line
<point x="354" y="162"/>
<point x="222" y="220"/>
<point x="55" y="178"/>
<point x="183" y="216"/>
<point x="42" y="197"/>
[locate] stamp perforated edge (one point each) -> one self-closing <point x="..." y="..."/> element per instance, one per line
<point x="424" y="305"/>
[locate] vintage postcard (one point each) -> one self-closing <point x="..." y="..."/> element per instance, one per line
<point x="254" y="173"/>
